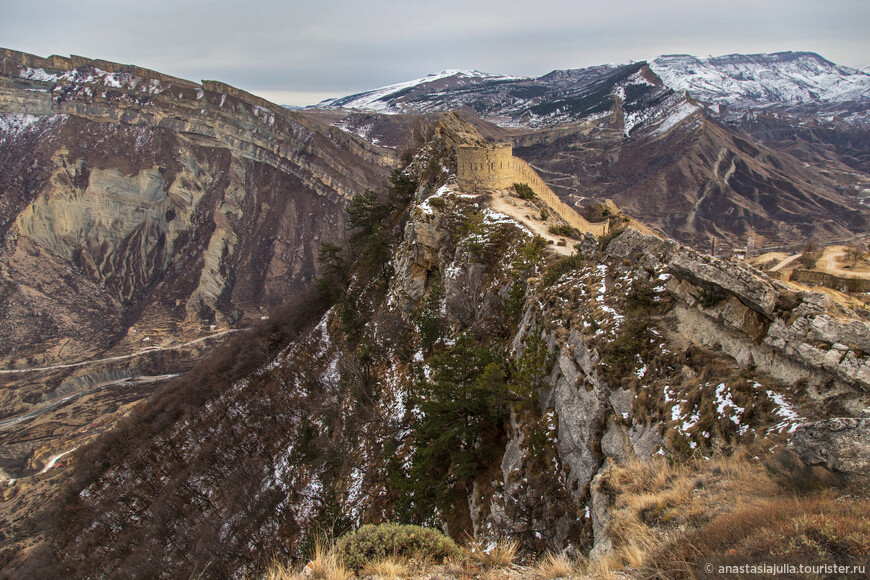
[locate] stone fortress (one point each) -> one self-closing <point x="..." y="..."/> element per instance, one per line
<point x="495" y="167"/>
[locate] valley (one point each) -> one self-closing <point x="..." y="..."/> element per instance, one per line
<point x="596" y="313"/>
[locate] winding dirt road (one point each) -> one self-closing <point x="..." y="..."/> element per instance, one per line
<point x="115" y="358"/>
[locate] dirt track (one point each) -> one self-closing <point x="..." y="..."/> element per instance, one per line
<point x="116" y="358"/>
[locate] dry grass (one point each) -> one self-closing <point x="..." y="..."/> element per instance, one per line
<point x="663" y="516"/>
<point x="824" y="527"/>
<point x="386" y="569"/>
<point x="324" y="565"/>
<point x="631" y="554"/>
<point x="819" y="529"/>
<point x="653" y="502"/>
<point x="498" y="554"/>
<point x="556" y="566"/>
<point x="279" y="571"/>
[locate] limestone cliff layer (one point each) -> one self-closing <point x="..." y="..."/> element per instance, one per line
<point x="140" y="211"/>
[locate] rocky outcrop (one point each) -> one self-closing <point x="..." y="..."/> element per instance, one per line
<point x="720" y="276"/>
<point x="796" y="336"/>
<point x="419" y="255"/>
<point x="841" y="445"/>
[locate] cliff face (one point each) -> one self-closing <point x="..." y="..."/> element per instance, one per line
<point x="140" y="211"/>
<point x="633" y="347"/>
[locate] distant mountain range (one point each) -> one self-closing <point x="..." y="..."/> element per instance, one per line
<point x="783" y="81"/>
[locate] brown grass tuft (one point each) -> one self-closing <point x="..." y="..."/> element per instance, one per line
<point x="386" y="569"/>
<point x="279" y="571"/>
<point x="556" y="566"/>
<point x="498" y="554"/>
<point x="324" y="565"/>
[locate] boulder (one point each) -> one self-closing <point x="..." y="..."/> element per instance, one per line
<point x="715" y="275"/>
<point x="840" y="444"/>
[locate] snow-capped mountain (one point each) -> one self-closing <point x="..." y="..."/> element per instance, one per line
<point x="557" y="97"/>
<point x="763" y="80"/>
<point x="385" y="99"/>
<point x="784" y="81"/>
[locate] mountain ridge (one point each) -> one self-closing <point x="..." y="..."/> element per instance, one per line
<point x="140" y="211"/>
<point x="766" y="80"/>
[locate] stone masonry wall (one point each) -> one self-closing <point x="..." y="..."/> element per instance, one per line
<point x="485" y="167"/>
<point x="496" y="168"/>
<point x="830" y="281"/>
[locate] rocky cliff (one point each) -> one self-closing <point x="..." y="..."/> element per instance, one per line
<point x="139" y="212"/>
<point x="468" y="378"/>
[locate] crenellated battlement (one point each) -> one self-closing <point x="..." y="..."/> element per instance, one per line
<point x="495" y="167"/>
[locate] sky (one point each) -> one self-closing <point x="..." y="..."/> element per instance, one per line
<point x="299" y="53"/>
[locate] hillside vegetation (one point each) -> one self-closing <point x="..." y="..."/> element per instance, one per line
<point x="606" y="411"/>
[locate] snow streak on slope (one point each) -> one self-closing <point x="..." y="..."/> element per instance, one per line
<point x="379" y="99"/>
<point x="763" y="80"/>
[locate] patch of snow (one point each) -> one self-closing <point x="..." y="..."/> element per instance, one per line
<point x="690" y="422"/>
<point x="789" y="417"/>
<point x="379" y="99"/>
<point x="331" y="375"/>
<point x="724" y="402"/>
<point x="37" y="74"/>
<point x="16" y="123"/>
<point x="113" y="81"/>
<point x="616" y="316"/>
<point x="685" y="110"/>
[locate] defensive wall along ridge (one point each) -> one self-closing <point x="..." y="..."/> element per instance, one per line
<point x="495" y="167"/>
<point x="840" y="283"/>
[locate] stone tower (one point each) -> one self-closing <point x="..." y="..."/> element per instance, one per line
<point x="485" y="167"/>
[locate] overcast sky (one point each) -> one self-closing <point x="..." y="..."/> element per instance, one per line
<point x="295" y="52"/>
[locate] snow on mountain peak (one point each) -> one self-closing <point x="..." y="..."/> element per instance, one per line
<point x="782" y="78"/>
<point x="379" y="99"/>
<point x="735" y="82"/>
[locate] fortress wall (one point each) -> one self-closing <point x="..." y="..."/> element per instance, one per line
<point x="523" y="173"/>
<point x="496" y="168"/>
<point x="831" y="281"/>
